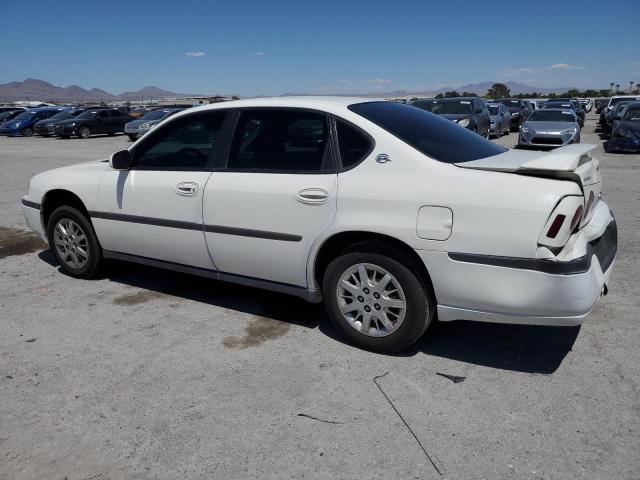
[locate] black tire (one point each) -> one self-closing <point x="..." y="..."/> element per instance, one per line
<point x="94" y="251"/>
<point x="419" y="300"/>
<point x="27" y="132"/>
<point x="84" y="132"/>
<point x="132" y="137"/>
<point x="64" y="136"/>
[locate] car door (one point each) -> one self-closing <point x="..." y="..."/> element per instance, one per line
<point x="275" y="194"/>
<point x="154" y="209"/>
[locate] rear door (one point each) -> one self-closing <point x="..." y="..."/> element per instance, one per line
<point x="275" y="194"/>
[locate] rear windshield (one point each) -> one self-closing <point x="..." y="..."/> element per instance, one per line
<point x="432" y="135"/>
<point x="440" y="107"/>
<point x="615" y="101"/>
<point x="558" y="105"/>
<point x="25" y="116"/>
<point x="551" y="116"/>
<point x="62" y="115"/>
<point x="493" y="110"/>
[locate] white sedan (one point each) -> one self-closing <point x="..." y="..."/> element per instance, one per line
<point x="392" y="215"/>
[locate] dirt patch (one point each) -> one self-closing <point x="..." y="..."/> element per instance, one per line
<point x="18" y="242"/>
<point x="138" y="297"/>
<point x="258" y="331"/>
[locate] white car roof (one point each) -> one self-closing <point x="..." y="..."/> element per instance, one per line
<point x="312" y="102"/>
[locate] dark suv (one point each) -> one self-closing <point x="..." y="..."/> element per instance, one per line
<point x="468" y="112"/>
<point x="93" y="121"/>
<point x="519" y="110"/>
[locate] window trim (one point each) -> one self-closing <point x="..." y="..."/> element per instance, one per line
<point x="372" y="142"/>
<point x="226" y="155"/>
<point x="218" y="150"/>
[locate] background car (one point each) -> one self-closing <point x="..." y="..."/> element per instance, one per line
<point x="586" y="104"/>
<point x="95" y="121"/>
<point x="137" y="128"/>
<point x="46" y="128"/>
<point x="138" y="112"/>
<point x="22" y="124"/>
<point x="613" y="101"/>
<point x="576" y="106"/>
<point x="500" y="119"/>
<point x="614" y="115"/>
<point x="518" y="109"/>
<point x="550" y="127"/>
<point x="468" y="112"/>
<point x="626" y="132"/>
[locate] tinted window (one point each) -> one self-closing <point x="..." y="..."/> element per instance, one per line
<point x="354" y="145"/>
<point x="103" y="113"/>
<point x="184" y="144"/>
<point x="434" y="136"/>
<point x="281" y="140"/>
<point x="552" y="116"/>
<point x="62" y="115"/>
<point x="494" y="110"/>
<point x="445" y="107"/>
<point x="633" y="114"/>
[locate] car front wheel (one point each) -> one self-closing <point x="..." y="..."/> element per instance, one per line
<point x="73" y="242"/>
<point x="27" y="132"/>
<point x="84" y="132"/>
<point x="376" y="301"/>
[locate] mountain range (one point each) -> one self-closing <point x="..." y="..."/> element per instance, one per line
<point x="33" y="89"/>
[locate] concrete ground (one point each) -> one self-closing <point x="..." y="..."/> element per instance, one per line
<point x="149" y="374"/>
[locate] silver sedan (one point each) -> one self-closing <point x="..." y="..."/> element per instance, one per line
<point x="549" y="128"/>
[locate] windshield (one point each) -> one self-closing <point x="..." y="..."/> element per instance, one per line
<point x="62" y="115"/>
<point x="440" y="107"/>
<point x="615" y="101"/>
<point x="493" y="110"/>
<point x="551" y="116"/>
<point x="87" y="114"/>
<point x="8" y="114"/>
<point x="25" y="116"/>
<point x="512" y="105"/>
<point x="633" y="114"/>
<point x="156" y="115"/>
<point x="434" y="136"/>
<point x="558" y="105"/>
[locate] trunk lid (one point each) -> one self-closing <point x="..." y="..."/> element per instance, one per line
<point x="573" y="162"/>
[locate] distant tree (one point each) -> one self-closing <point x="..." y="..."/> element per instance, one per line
<point x="439" y="95"/>
<point x="498" y="90"/>
<point x="469" y="94"/>
<point x="451" y="94"/>
<point x="603" y="92"/>
<point x="590" y="93"/>
<point x="611" y="85"/>
<point x="413" y="99"/>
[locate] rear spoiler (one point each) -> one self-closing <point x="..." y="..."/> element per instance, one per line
<point x="566" y="159"/>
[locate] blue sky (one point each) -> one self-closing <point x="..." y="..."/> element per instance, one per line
<point x="272" y="47"/>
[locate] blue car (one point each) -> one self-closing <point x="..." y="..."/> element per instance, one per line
<point x="23" y="123"/>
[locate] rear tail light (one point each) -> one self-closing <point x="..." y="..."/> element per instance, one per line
<point x="555" y="226"/>
<point x="589" y="204"/>
<point x="575" y="221"/>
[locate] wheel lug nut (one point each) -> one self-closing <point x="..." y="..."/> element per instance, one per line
<point x="376" y="295"/>
<point x="366" y="291"/>
<point x="367" y="308"/>
<point x="376" y="306"/>
<point x="361" y="299"/>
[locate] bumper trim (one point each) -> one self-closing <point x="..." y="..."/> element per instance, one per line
<point x="604" y="248"/>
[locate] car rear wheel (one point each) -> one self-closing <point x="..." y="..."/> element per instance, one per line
<point x="84" y="132"/>
<point x="376" y="301"/>
<point x="73" y="242"/>
<point x="27" y="132"/>
<point x="132" y="137"/>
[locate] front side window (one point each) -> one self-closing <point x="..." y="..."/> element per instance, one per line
<point x="354" y="144"/>
<point x="633" y="114"/>
<point x="281" y="140"/>
<point x="187" y="143"/>
<point x="430" y="134"/>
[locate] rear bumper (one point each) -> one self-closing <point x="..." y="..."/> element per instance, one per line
<point x="545" y="140"/>
<point x="524" y="291"/>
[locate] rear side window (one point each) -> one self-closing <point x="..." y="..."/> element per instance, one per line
<point x="432" y="135"/>
<point x="353" y="143"/>
<point x="281" y="140"/>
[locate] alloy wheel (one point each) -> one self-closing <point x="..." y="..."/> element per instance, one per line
<point x="84" y="132"/>
<point x="71" y="243"/>
<point x="371" y="300"/>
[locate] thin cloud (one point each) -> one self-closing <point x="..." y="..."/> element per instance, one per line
<point x="257" y="54"/>
<point x="196" y="54"/>
<point x="565" y="66"/>
<point x="380" y="81"/>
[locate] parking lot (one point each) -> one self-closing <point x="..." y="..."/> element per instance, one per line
<point x="152" y="374"/>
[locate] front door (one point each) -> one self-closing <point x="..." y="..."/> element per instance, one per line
<point x="154" y="209"/>
<point x="277" y="192"/>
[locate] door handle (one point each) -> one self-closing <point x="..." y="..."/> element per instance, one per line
<point x="187" y="188"/>
<point x="312" y="196"/>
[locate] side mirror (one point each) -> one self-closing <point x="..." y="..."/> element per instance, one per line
<point x="121" y="160"/>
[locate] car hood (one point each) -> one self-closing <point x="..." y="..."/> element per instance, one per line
<point x="455" y="116"/>
<point x="549" y="126"/>
<point x="137" y="123"/>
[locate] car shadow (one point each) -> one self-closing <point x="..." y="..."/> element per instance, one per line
<point x="520" y="348"/>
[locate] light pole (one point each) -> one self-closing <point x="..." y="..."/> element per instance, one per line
<point x="631" y="87"/>
<point x="611" y="87"/>
<point x="617" y="87"/>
